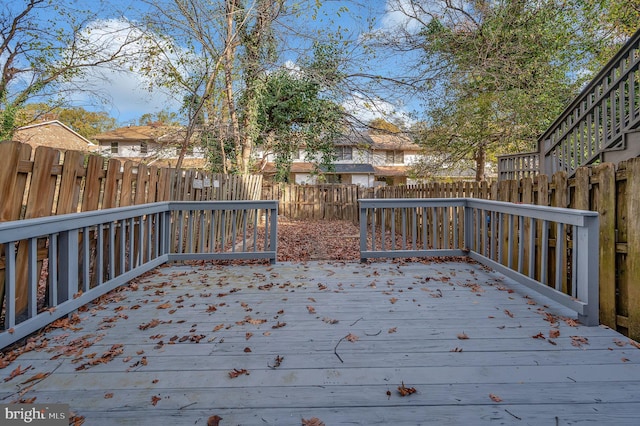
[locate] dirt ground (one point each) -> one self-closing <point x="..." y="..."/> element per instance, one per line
<point x="300" y="241"/>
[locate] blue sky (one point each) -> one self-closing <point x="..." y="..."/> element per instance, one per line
<point x="130" y="99"/>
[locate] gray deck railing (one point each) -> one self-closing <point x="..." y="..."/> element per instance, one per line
<point x="594" y="122"/>
<point x="89" y="254"/>
<point x="551" y="250"/>
<point x="518" y="166"/>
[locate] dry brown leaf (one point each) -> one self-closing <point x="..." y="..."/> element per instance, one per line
<point x="214" y="420"/>
<point x="108" y="395"/>
<point x="392" y="330"/>
<point x="155" y="399"/>
<point x="279" y="325"/>
<point x="238" y="372"/>
<point x="539" y="336"/>
<point x="508" y="313"/>
<point x="554" y="333"/>
<point x="463" y="336"/>
<point x="311" y="309"/>
<point x="248" y="335"/>
<point x="404" y="391"/>
<point x="495" y="398"/>
<point x="314" y="421"/>
<point x="38" y="376"/>
<point x="18" y="371"/>
<point x="352" y="337"/>
<point x="164" y="306"/>
<point x="247" y="350"/>
<point x="393" y="300"/>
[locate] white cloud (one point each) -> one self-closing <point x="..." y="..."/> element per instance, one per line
<point x="122" y="90"/>
<point x="366" y="109"/>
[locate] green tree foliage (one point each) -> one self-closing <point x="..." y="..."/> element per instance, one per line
<point x="498" y="72"/>
<point x="293" y="116"/>
<point x="382" y="126"/>
<point x="86" y="123"/>
<point x="44" y="44"/>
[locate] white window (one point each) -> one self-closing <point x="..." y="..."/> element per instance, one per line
<point x="395" y="157"/>
<point x="344" y="153"/>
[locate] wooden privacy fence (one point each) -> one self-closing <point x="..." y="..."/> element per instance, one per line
<point x="329" y="202"/>
<point x="614" y="194"/>
<point x="47" y="182"/>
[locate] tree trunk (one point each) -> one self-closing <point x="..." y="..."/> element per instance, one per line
<point x="481" y="159"/>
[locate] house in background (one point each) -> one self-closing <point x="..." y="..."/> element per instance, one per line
<point x="54" y="134"/>
<point x="154" y="144"/>
<point x="362" y="158"/>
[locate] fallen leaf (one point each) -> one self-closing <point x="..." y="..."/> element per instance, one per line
<point x="571" y="322"/>
<point x="248" y="335"/>
<point x="393" y="330"/>
<point x="314" y="421"/>
<point x="554" y="333"/>
<point x="311" y="309"/>
<point x="456" y="349"/>
<point x="277" y="362"/>
<point x="247" y="349"/>
<point x="330" y="320"/>
<point x="404" y="391"/>
<point x="35" y="377"/>
<point x="463" y="336"/>
<point x="214" y="420"/>
<point x="16" y="372"/>
<point x="108" y="395"/>
<point x="279" y="325"/>
<point x="236" y="373"/>
<point x="508" y="313"/>
<point x="495" y="398"/>
<point x="351" y="337"/>
<point x="634" y="344"/>
<point x="155" y="399"/>
<point x="164" y="306"/>
<point x="625" y="359"/>
<point x="393" y="300"/>
<point x="578" y="341"/>
<point x="539" y="336"/>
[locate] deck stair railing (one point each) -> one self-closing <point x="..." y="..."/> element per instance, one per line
<point x="91" y="253"/>
<point x="551" y="250"/>
<point x="592" y="125"/>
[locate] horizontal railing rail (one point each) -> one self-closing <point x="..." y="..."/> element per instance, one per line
<point x="75" y="258"/>
<point x="551" y="250"/>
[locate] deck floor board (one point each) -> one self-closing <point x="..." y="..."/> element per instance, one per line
<point x="184" y="328"/>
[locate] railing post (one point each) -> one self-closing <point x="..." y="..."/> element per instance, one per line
<point x="467" y="227"/>
<point x="165" y="232"/>
<point x="274" y="234"/>
<point x="363" y="231"/>
<point x="588" y="247"/>
<point x="68" y="264"/>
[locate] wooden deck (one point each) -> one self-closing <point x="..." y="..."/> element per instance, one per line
<point x="476" y="348"/>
